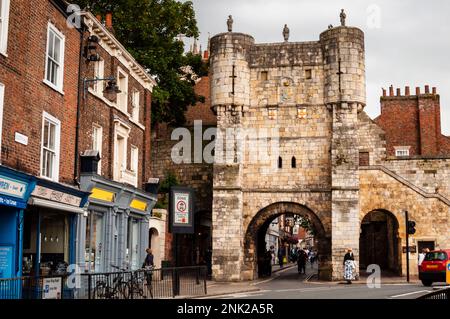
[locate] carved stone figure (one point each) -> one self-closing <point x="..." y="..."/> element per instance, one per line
<point x="330" y="26"/>
<point x="343" y="17"/>
<point x="230" y="23"/>
<point x="286" y="33"/>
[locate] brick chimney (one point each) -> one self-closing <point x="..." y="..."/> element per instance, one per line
<point x="407" y="93"/>
<point x="109" y="21"/>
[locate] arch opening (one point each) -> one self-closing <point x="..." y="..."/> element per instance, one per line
<point x="256" y="242"/>
<point x="379" y="242"/>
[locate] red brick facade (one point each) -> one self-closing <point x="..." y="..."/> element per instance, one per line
<point x="414" y="121"/>
<point x="97" y="110"/>
<point x="27" y="96"/>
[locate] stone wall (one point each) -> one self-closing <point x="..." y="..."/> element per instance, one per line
<point x="380" y="191"/>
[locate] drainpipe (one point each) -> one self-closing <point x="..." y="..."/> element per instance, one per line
<point x="77" y="127"/>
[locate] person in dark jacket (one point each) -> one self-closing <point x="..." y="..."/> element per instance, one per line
<point x="148" y="262"/>
<point x="301" y="261"/>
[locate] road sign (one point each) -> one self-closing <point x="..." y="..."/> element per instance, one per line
<point x="448" y="271"/>
<point x="181" y="210"/>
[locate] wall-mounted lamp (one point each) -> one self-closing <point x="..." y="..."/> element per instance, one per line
<point x="110" y="91"/>
<point x="90" y="48"/>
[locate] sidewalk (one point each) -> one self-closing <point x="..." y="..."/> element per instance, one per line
<point x="224" y="288"/>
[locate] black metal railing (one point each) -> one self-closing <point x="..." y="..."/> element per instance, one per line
<point x="439" y="294"/>
<point x="145" y="284"/>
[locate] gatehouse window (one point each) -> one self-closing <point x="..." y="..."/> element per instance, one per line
<point x="401" y="151"/>
<point x="308" y="74"/>
<point x="280" y="162"/>
<point x="293" y="162"/>
<point x="264" y="75"/>
<point x="363" y="158"/>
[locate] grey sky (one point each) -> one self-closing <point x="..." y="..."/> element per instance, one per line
<point x="411" y="46"/>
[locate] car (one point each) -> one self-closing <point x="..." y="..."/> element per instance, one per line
<point x="432" y="268"/>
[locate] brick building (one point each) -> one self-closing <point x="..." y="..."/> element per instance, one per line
<point x="192" y="173"/>
<point x="40" y="202"/>
<point x="412" y="123"/>
<point x="114" y="128"/>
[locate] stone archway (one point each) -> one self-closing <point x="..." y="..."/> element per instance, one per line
<point x="379" y="241"/>
<point x="261" y="222"/>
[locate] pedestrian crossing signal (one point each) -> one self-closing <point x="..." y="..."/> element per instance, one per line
<point x="411" y="227"/>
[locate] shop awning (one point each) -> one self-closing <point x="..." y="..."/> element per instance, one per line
<point x="54" y="205"/>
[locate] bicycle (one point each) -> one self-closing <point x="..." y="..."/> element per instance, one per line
<point x="119" y="290"/>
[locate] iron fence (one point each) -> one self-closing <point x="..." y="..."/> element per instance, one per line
<point x="138" y="284"/>
<point x="439" y="294"/>
<point x="42" y="287"/>
<point x="145" y="284"/>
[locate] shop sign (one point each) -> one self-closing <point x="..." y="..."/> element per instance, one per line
<point x="12" y="187"/>
<point x="412" y="249"/>
<point x="6" y="257"/>
<point x="51" y="288"/>
<point x="139" y="205"/>
<point x="11" y="202"/>
<point x="182" y="210"/>
<point x="101" y="194"/>
<point x="56" y="196"/>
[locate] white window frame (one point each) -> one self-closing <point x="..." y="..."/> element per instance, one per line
<point x="402" y="151"/>
<point x="2" y="99"/>
<point x="99" y="73"/>
<point x="123" y="95"/>
<point x="4" y="26"/>
<point x="136" y="101"/>
<point x="60" y="75"/>
<point x="134" y="159"/>
<point x="55" y="170"/>
<point x="97" y="136"/>
<point x="123" y="131"/>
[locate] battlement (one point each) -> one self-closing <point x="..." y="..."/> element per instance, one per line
<point x="407" y="92"/>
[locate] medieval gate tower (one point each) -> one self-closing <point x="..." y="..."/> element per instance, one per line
<point x="310" y="93"/>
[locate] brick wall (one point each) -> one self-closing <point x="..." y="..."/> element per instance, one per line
<point x="97" y="110"/>
<point x="414" y="121"/>
<point x="27" y="97"/>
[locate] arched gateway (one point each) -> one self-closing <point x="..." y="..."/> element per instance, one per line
<point x="256" y="230"/>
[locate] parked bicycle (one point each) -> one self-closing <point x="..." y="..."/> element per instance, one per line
<point x="120" y="289"/>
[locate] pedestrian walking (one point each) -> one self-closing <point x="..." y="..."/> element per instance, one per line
<point x="349" y="266"/>
<point x="148" y="265"/>
<point x="301" y="261"/>
<point x="280" y="257"/>
<point x="268" y="263"/>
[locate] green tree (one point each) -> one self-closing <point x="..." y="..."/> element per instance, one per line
<point x="149" y="30"/>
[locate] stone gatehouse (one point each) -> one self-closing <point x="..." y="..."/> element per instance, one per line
<point x="330" y="163"/>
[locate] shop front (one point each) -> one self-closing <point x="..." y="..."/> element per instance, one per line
<point x="115" y="230"/>
<point x="50" y="223"/>
<point x="15" y="189"/>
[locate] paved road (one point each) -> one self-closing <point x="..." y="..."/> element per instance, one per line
<point x="289" y="284"/>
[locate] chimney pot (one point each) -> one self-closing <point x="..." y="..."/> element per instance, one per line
<point x="391" y="91"/>
<point x="434" y="90"/>
<point x="206" y="55"/>
<point x="398" y="92"/>
<point x="417" y="90"/>
<point x="427" y="89"/>
<point x="407" y="92"/>
<point x="384" y="92"/>
<point x="109" y="20"/>
<point x="99" y="18"/>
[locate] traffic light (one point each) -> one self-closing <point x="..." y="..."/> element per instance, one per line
<point x="411" y="227"/>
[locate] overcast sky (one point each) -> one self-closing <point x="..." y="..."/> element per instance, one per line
<point x="407" y="41"/>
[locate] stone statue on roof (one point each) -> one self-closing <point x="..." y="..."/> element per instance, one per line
<point x="286" y="33"/>
<point x="230" y="23"/>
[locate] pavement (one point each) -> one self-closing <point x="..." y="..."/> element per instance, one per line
<point x="287" y="283"/>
